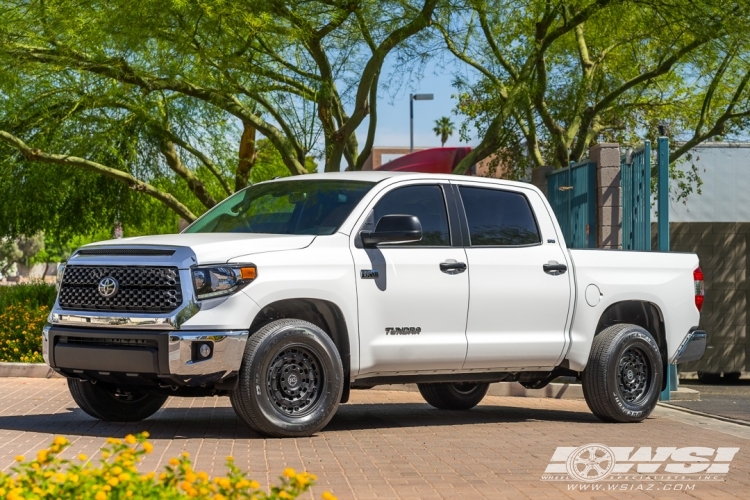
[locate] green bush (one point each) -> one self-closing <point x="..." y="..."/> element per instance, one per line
<point x="23" y="313"/>
<point x="117" y="477"/>
<point x="37" y="294"/>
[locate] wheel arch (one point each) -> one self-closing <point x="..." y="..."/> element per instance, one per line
<point x="645" y="314"/>
<point x="322" y="313"/>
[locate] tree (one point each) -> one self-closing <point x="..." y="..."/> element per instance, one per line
<point x="444" y="128"/>
<point x="154" y="95"/>
<point x="553" y="78"/>
<point x="19" y="251"/>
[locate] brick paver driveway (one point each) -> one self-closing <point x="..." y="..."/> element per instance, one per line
<point x="386" y="444"/>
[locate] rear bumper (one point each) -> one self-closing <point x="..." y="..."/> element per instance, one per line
<point x="692" y="348"/>
<point x="143" y="354"/>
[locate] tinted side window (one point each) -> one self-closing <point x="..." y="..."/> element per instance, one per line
<point x="498" y="218"/>
<point x="427" y="203"/>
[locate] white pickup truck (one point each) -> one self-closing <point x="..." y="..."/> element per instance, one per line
<point x="292" y="292"/>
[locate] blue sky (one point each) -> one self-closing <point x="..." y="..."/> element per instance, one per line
<point x="393" y="111"/>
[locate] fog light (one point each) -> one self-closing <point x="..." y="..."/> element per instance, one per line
<point x="205" y="350"/>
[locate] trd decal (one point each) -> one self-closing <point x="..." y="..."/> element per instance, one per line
<point x="368" y="274"/>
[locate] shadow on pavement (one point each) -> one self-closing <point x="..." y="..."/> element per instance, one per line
<point x="221" y="422"/>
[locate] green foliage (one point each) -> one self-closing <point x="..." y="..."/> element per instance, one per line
<point x="116" y="476"/>
<point x="33" y="295"/>
<point x="21" y="332"/>
<point x="444" y="128"/>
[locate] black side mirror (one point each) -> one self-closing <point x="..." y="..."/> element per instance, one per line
<point x="393" y="229"/>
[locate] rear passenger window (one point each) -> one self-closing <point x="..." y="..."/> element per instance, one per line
<point x="499" y="218"/>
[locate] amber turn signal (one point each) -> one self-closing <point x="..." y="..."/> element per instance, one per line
<point x="248" y="273"/>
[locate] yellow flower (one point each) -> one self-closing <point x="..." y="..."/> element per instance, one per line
<point x="301" y="480"/>
<point x="254" y="485"/>
<point x="243" y="483"/>
<point x="224" y="482"/>
<point x="82" y="457"/>
<point x="145" y="434"/>
<point x="150" y="475"/>
<point x="327" y="495"/>
<point x="114" y="481"/>
<point x="41" y="456"/>
<point x="130" y="439"/>
<point x="162" y="476"/>
<point x="202" y="476"/>
<point x="289" y="472"/>
<point x="174" y="462"/>
<point x="113" y="441"/>
<point x="285" y="495"/>
<point x="148" y="447"/>
<point x="105" y="455"/>
<point x="219" y="497"/>
<point x="73" y="478"/>
<point x="129" y="494"/>
<point x="124" y="477"/>
<point x="185" y="454"/>
<point x="20" y="458"/>
<point x="101" y="496"/>
<point x="116" y="470"/>
<point x="60" y="441"/>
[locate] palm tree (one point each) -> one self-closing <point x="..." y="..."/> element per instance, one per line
<point x="444" y="128"/>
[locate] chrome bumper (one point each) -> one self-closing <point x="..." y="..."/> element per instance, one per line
<point x="692" y="348"/>
<point x="228" y="347"/>
<point x="77" y="350"/>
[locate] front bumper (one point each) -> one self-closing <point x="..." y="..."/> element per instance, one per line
<point x="692" y="348"/>
<point x="143" y="354"/>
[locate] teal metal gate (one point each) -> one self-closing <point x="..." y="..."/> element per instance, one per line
<point x="572" y="193"/>
<point x="635" y="179"/>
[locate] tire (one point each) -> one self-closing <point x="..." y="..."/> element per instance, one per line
<point x="709" y="378"/>
<point x="732" y="377"/>
<point x="453" y="396"/>
<point x="290" y="381"/>
<point x="623" y="377"/>
<point x="113" y="405"/>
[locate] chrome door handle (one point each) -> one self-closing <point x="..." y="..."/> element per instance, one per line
<point x="554" y="268"/>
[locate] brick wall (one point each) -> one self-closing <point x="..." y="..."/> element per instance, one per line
<point x="722" y="248"/>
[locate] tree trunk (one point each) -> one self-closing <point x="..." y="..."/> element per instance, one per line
<point x="248" y="154"/>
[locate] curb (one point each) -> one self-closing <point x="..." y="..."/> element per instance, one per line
<point x="513" y="389"/>
<point x="704" y="414"/>
<point x="27" y="370"/>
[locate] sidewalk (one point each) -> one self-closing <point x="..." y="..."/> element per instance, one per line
<point x="386" y="444"/>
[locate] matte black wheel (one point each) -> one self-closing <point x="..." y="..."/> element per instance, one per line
<point x="114" y="404"/>
<point x="453" y="396"/>
<point x="623" y="377"/>
<point x="732" y="376"/>
<point x="291" y="380"/>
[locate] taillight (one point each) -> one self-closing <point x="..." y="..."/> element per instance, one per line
<point x="700" y="289"/>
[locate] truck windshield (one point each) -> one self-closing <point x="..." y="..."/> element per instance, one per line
<point x="316" y="207"/>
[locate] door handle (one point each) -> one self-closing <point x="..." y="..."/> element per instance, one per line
<point x="554" y="268"/>
<point x="452" y="267"/>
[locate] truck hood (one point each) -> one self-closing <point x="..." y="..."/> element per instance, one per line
<point x="212" y="248"/>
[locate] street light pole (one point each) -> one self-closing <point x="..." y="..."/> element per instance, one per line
<point x="412" y="98"/>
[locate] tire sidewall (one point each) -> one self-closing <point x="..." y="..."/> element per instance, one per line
<point x="324" y="349"/>
<point x="635" y="337"/>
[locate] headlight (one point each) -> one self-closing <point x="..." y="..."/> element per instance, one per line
<point x="221" y="280"/>
<point x="60" y="272"/>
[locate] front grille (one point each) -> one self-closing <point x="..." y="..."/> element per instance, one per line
<point x="108" y="342"/>
<point x="140" y="289"/>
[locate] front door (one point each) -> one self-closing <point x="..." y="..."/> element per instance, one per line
<point x="412" y="314"/>
<point x="519" y="308"/>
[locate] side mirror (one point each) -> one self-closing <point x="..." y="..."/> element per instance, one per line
<point x="393" y="229"/>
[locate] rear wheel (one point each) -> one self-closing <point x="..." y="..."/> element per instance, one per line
<point x="453" y="396"/>
<point x="114" y="404"/>
<point x="709" y="377"/>
<point x="623" y="377"/>
<point x="291" y="380"/>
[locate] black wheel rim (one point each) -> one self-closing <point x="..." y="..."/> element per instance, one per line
<point x="294" y="381"/>
<point x="129" y="397"/>
<point x="634" y="375"/>
<point x="465" y="388"/>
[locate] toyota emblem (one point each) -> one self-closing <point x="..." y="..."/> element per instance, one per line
<point x="108" y="287"/>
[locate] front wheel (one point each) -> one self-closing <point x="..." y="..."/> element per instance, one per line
<point x="623" y="377"/>
<point x="291" y="380"/>
<point x="453" y="396"/>
<point x="114" y="404"/>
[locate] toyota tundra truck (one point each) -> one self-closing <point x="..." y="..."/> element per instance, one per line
<point x="292" y="292"/>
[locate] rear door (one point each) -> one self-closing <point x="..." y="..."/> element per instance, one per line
<point x="518" y="307"/>
<point x="412" y="311"/>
